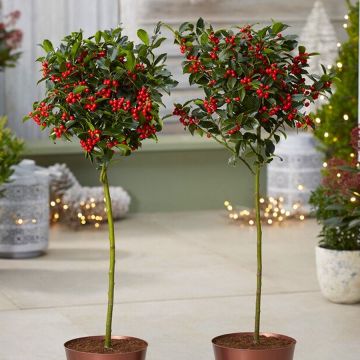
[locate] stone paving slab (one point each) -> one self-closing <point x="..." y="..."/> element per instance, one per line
<point x="182" y="278"/>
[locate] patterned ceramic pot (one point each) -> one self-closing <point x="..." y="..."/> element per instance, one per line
<point x="338" y="273"/>
<point x="24" y="212"/>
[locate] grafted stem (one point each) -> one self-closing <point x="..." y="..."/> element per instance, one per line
<point x="110" y="306"/>
<point x="259" y="255"/>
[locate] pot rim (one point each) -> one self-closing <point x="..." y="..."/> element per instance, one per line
<point x="251" y="333"/>
<point x="102" y="337"/>
<point x="334" y="250"/>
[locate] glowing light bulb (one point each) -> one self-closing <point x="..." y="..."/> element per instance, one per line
<point x="300" y="187"/>
<point x="34" y="221"/>
<point x="287" y="213"/>
<point x="318" y="120"/>
<point x="338" y="45"/>
<point x="346" y="117"/>
<point x="226" y="203"/>
<point x="56" y="216"/>
<point x="345" y="26"/>
<point x="346" y="17"/>
<point x="352" y="155"/>
<point x="236" y="216"/>
<point x="329" y="67"/>
<point x="301" y="217"/>
<point x="262" y="200"/>
<point x="353" y="199"/>
<point x="58" y="200"/>
<point x="326" y="134"/>
<point x="251" y="222"/>
<point x="97" y="225"/>
<point x="20" y="221"/>
<point x="325" y="164"/>
<point x="65" y="207"/>
<point x="52" y="203"/>
<point x="229" y="207"/>
<point x="338" y="175"/>
<point x="270" y="221"/>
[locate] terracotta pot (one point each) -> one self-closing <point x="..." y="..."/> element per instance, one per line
<point x="79" y="355"/>
<point x="338" y="272"/>
<point x="284" y="353"/>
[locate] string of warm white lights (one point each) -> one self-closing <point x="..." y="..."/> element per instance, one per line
<point x="272" y="211"/>
<point x="339" y="65"/>
<point x="91" y="212"/>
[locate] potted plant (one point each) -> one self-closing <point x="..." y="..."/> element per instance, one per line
<point x="105" y="92"/>
<point x="336" y="206"/>
<point x="255" y="87"/>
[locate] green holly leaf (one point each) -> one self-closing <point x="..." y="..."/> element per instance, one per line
<point x="143" y="36"/>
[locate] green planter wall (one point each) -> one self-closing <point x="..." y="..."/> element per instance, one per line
<point x="179" y="173"/>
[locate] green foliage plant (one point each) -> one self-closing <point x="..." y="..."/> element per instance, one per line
<point x="340" y="114"/>
<point x="10" y="151"/>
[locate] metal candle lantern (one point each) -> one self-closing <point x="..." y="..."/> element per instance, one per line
<point x="24" y="212"/>
<point x="298" y="173"/>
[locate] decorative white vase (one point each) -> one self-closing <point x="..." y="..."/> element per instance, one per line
<point x="338" y="273"/>
<point x="298" y="173"/>
<point x="24" y="212"/>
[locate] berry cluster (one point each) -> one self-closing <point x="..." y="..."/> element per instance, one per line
<point x="185" y="119"/>
<point x="262" y="91"/>
<point x="59" y="131"/>
<point x="72" y="98"/>
<point x="90" y="142"/>
<point x="119" y="104"/>
<point x="230" y="73"/>
<point x="143" y="107"/>
<point x="42" y="111"/>
<point x="210" y="105"/>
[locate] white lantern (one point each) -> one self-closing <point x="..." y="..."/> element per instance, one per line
<point x="298" y="174"/>
<point x="24" y="212"/>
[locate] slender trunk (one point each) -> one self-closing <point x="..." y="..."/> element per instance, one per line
<point x="259" y="255"/>
<point x="104" y="180"/>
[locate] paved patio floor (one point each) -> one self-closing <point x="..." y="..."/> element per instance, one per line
<point x="182" y="278"/>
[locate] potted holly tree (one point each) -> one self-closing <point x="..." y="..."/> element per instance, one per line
<point x="255" y="88"/>
<point x="336" y="207"/>
<point x="105" y="92"/>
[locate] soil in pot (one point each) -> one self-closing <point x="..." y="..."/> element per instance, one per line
<point x="96" y="345"/>
<point x="246" y="341"/>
